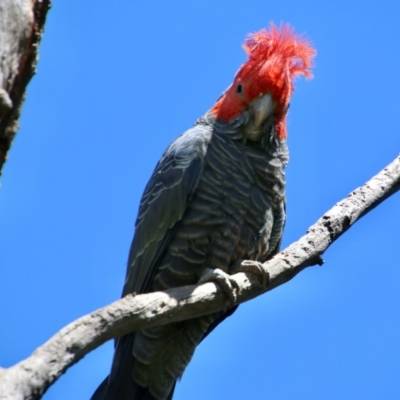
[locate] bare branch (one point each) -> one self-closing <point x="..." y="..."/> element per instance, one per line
<point x="30" y="378"/>
<point x="21" y="27"/>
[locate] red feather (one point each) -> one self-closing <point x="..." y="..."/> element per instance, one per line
<point x="276" y="58"/>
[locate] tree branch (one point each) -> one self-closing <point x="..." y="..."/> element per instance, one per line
<point x="21" y="28"/>
<point x="30" y="378"/>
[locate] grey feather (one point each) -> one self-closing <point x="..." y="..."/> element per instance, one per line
<point x="213" y="199"/>
<point x="163" y="204"/>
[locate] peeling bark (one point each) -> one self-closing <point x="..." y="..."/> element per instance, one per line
<point x="30" y="378"/>
<point x="21" y="28"/>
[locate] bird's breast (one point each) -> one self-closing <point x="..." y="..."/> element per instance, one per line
<point x="230" y="215"/>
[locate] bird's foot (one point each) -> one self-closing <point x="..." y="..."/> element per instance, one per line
<point x="254" y="267"/>
<point x="227" y="283"/>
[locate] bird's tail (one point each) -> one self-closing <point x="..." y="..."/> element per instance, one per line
<point x="119" y="385"/>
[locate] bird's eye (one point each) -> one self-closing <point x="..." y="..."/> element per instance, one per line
<point x="239" y="89"/>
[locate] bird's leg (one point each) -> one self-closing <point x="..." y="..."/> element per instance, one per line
<point x="254" y="267"/>
<point x="227" y="283"/>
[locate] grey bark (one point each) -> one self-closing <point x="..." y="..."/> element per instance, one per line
<point x="21" y="27"/>
<point x="30" y="378"/>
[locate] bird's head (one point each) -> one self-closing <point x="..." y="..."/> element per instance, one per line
<point x="264" y="83"/>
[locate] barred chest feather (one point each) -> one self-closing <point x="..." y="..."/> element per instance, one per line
<point x="236" y="212"/>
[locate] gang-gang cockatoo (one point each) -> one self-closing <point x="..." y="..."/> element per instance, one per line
<point x="216" y="197"/>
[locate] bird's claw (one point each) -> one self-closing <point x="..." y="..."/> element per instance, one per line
<point x="227" y="283"/>
<point x="254" y="267"/>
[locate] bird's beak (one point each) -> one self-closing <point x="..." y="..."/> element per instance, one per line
<point x="261" y="108"/>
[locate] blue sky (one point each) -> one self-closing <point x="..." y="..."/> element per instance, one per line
<point x="119" y="81"/>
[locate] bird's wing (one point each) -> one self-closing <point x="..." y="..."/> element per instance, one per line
<point x="163" y="204"/>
